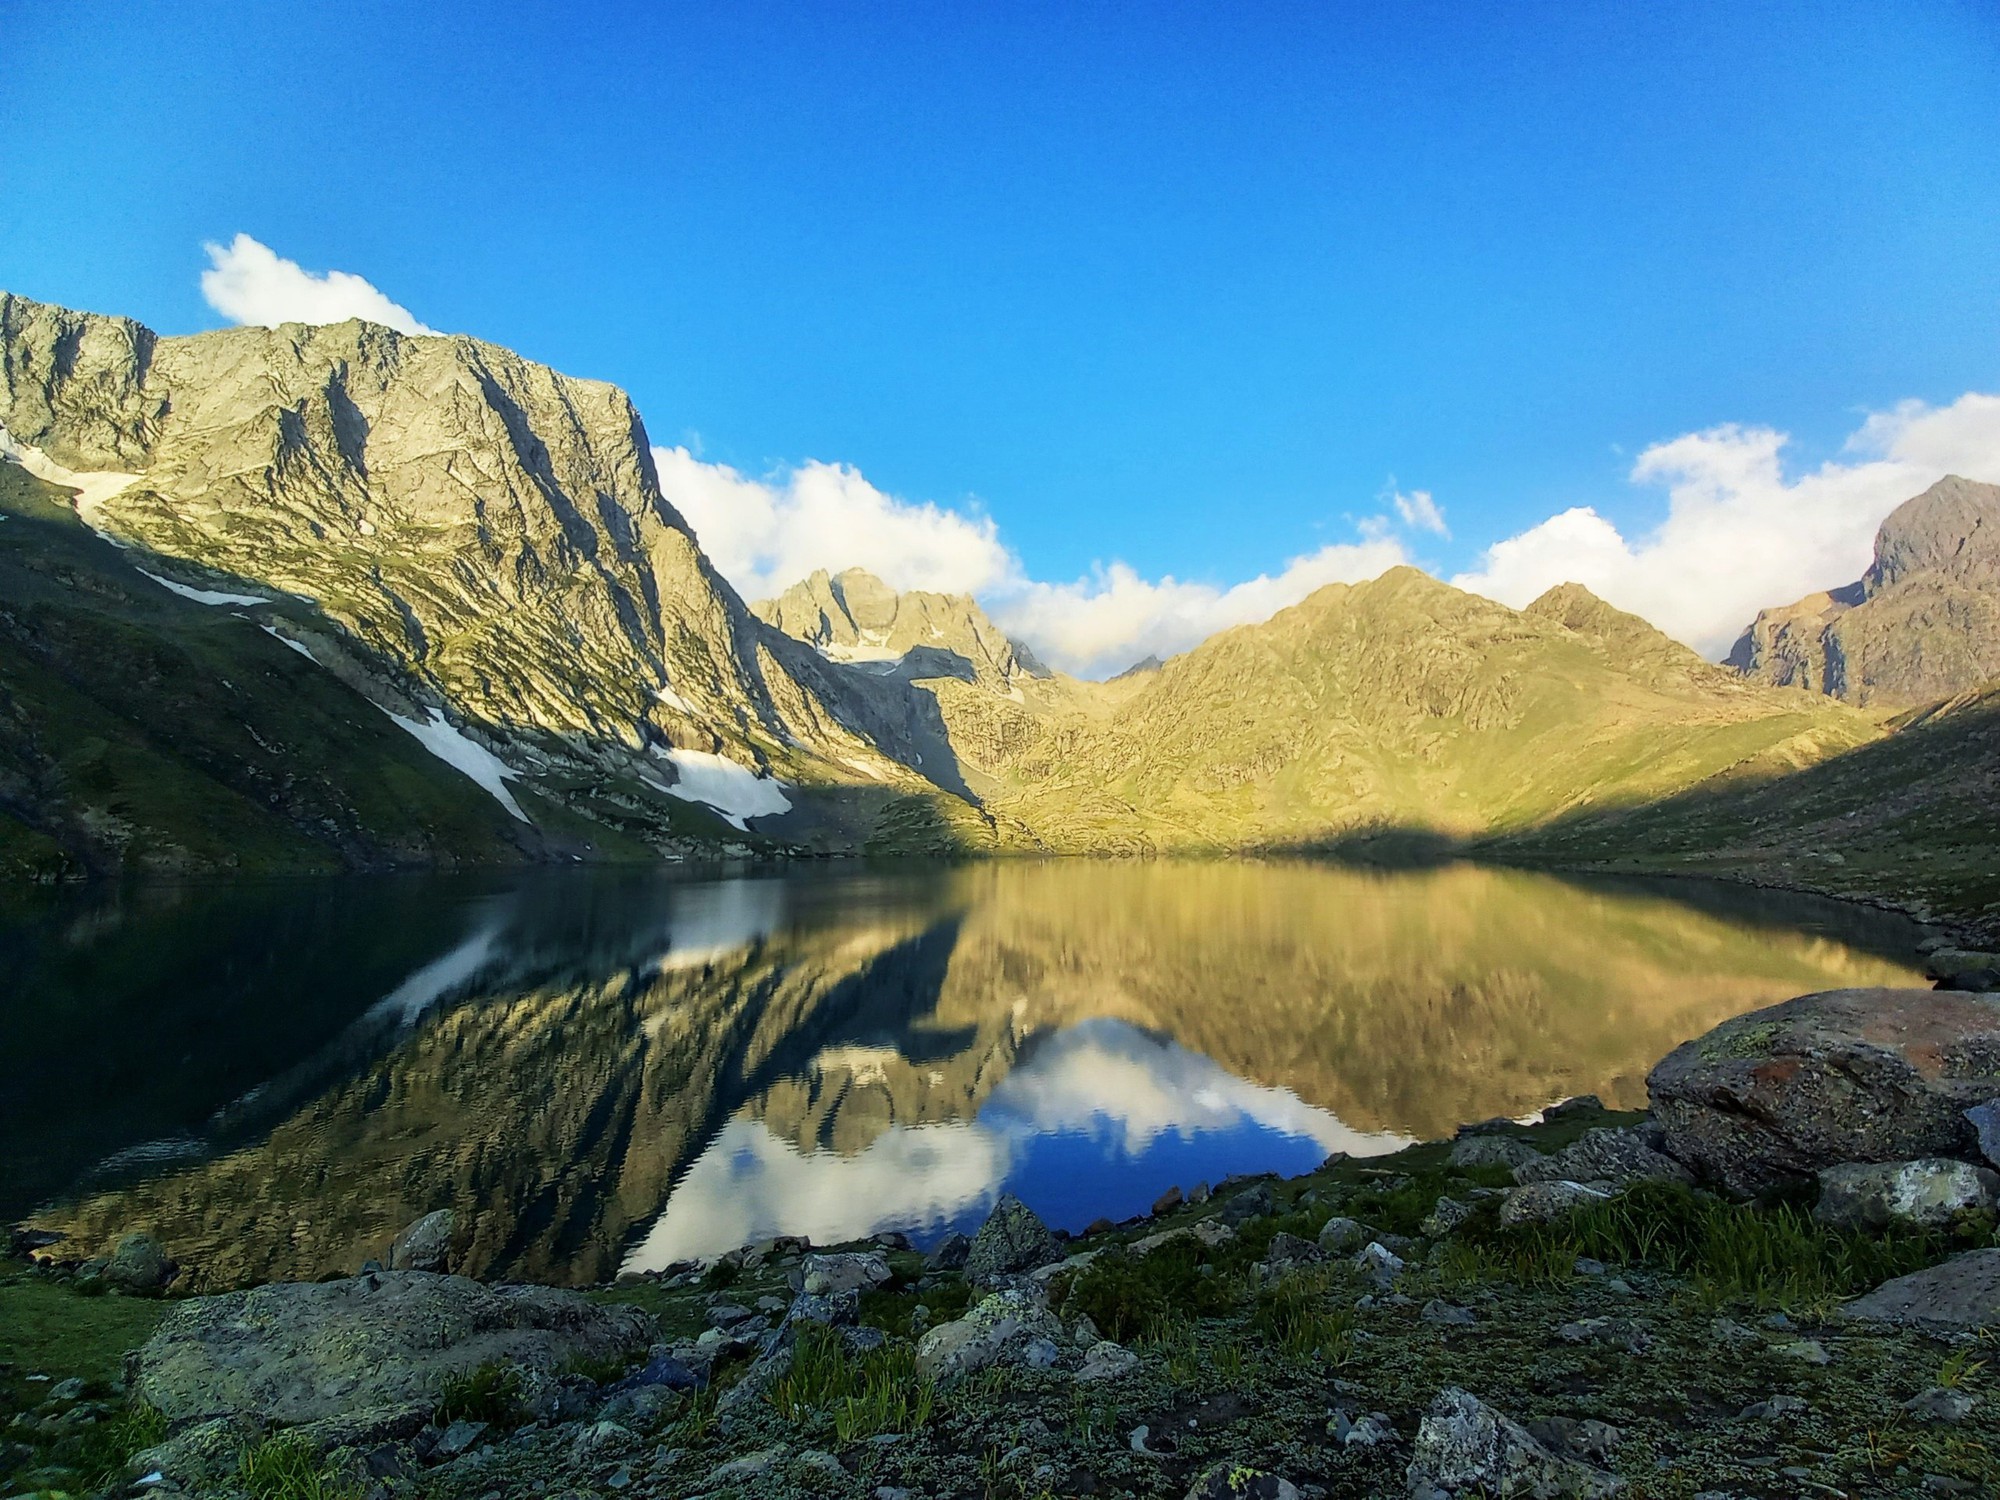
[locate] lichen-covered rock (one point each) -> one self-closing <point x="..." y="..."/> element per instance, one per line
<point x="1004" y="1326"/>
<point x="1379" y="1263"/>
<point x="1448" y="1215"/>
<point x="1464" y="1446"/>
<point x="1964" y="969"/>
<point x="1932" y="1191"/>
<point x="1290" y="1250"/>
<point x="138" y="1264"/>
<point x="1339" y="1235"/>
<point x="1012" y="1240"/>
<point x="1962" y="1294"/>
<point x="949" y="1253"/>
<point x="828" y="1275"/>
<point x="1240" y="1482"/>
<point x="1869" y="1075"/>
<point x="1491" y="1151"/>
<point x="1105" y="1360"/>
<point x="1626" y="1154"/>
<point x="304" y="1352"/>
<point x="1539" y="1202"/>
<point x="424" y="1245"/>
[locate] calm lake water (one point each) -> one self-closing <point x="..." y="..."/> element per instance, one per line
<point x="605" y="1072"/>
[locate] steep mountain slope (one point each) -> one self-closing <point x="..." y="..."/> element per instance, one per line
<point x="854" y="616"/>
<point x="483" y="544"/>
<point x="140" y="730"/>
<point x="1400" y="704"/>
<point x="1922" y="624"/>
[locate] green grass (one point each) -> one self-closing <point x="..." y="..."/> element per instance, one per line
<point x="490" y="1394"/>
<point x="47" y="1328"/>
<point x="881" y="1391"/>
<point x="1128" y="1296"/>
<point x="1299" y="1314"/>
<point x="286" y="1468"/>
<point x="1763" y="1256"/>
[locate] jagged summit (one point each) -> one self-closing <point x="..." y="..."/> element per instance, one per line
<point x="854" y="616"/>
<point x="1922" y="623"/>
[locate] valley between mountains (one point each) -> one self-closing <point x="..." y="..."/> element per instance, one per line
<point x="312" y="599"/>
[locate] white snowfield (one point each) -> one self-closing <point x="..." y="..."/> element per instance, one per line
<point x="93" y="487"/>
<point x="462" y="754"/>
<point x="736" y="792"/>
<point x="285" y="640"/>
<point x="205" y="596"/>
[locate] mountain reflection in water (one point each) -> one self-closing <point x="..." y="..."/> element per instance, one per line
<point x="604" y="1072"/>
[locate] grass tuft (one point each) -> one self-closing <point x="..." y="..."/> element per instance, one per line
<point x="489" y="1394"/>
<point x="285" y="1467"/>
<point x="882" y="1391"/>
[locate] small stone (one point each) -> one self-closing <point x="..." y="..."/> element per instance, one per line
<point x="833" y="1274"/>
<point x="747" y="1467"/>
<point x="1106" y="1360"/>
<point x="1253" y="1203"/>
<point x="1380" y="1263"/>
<point x="1807" y="1351"/>
<point x="1167" y="1202"/>
<point x="1040" y="1354"/>
<point x="1289" y="1250"/>
<point x="1585" y="1266"/>
<point x="138" y="1264"/>
<point x="1985" y="1121"/>
<point x="1778" y="1322"/>
<point x="1012" y="1240"/>
<point x="1491" y="1151"/>
<point x="1439" y="1311"/>
<point x="1777" y="1409"/>
<point x="949" y="1253"/>
<point x="1464" y="1446"/>
<point x="1541" y="1202"/>
<point x="1940" y="1404"/>
<point x="457" y="1438"/>
<point x="1449" y="1214"/>
<point x="619" y="1478"/>
<point x="67" y="1390"/>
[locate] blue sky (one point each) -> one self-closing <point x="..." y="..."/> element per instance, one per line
<point x="1195" y="289"/>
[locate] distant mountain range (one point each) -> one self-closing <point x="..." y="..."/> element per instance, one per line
<point x="316" y="598"/>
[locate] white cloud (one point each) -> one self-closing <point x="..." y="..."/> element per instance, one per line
<point x="764" y="536"/>
<point x="1113" y="618"/>
<point x="1739" y="535"/>
<point x="1419" y="510"/>
<point x="248" y="282"/>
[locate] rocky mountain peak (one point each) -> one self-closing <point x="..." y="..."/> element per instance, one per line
<point x="854" y="616"/>
<point x="1923" y="622"/>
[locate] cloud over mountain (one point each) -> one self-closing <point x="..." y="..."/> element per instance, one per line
<point x="1739" y="533"/>
<point x="248" y="282"/>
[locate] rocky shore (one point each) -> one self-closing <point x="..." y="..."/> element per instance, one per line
<point x="1777" y="1281"/>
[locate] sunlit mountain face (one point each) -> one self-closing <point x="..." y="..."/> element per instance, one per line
<point x="603" y="1072"/>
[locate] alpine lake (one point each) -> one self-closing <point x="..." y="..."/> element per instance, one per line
<point x="613" y="1071"/>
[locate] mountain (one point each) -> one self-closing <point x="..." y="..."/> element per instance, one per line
<point x="856" y="617"/>
<point x="1922" y="624"/>
<point x="472" y="543"/>
<point x="1401" y="705"/>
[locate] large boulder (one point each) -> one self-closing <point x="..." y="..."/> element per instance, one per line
<point x="1965" y="969"/>
<point x="1872" y="1075"/>
<point x="1465" y="1447"/>
<point x="1012" y="1327"/>
<point x="1962" y="1294"/>
<point x="424" y="1245"/>
<point x="1624" y="1154"/>
<point x="1012" y="1240"/>
<point x="139" y="1264"/>
<point x="1933" y="1191"/>
<point x="298" y="1352"/>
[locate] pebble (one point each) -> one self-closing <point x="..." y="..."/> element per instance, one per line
<point x="1439" y="1311"/>
<point x="1585" y="1266"/>
<point x="1810" y="1351"/>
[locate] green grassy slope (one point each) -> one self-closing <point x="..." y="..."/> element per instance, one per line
<point x="1912" y="818"/>
<point x="142" y="731"/>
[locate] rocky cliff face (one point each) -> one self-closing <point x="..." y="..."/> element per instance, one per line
<point x="856" y="617"/>
<point x="477" y="536"/>
<point x="1922" y="624"/>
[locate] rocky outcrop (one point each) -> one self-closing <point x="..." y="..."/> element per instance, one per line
<point x="1932" y="1192"/>
<point x="1827" y="1079"/>
<point x="1012" y="1240"/>
<point x="384" y="1343"/>
<point x="856" y="617"/>
<point x="1961" y="1295"/>
<point x="1465" y="1447"/>
<point x="1922" y="624"/>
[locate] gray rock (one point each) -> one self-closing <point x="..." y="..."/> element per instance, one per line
<point x="1627" y="1154"/>
<point x="855" y="1272"/>
<point x="949" y="1253"/>
<point x="138" y="1264"/>
<point x="458" y="1438"/>
<point x="1777" y="1409"/>
<point x="1437" y="1310"/>
<point x="1870" y="1075"/>
<point x="1940" y="1404"/>
<point x="1370" y="1431"/>
<point x="1341" y="1235"/>
<point x="1932" y="1191"/>
<point x="1167" y="1202"/>
<point x="1985" y="1122"/>
<point x="200" y="1458"/>
<point x="1257" y="1202"/>
<point x="1576" y="1104"/>
<point x="303" y="1352"/>
<point x="1012" y="1240"/>
<point x="1588" y="1440"/>
<point x="1466" y="1447"/>
<point x="1541" y="1202"/>
<point x="1240" y="1482"/>
<point x="1806" y="1351"/>
<point x="749" y="1466"/>
<point x="1449" y="1214"/>
<point x="1964" y="969"/>
<point x="999" y="1329"/>
<point x="424" y="1245"/>
<point x="1491" y="1151"/>
<point x="1379" y="1263"/>
<point x="1962" y="1294"/>
<point x="1106" y="1360"/>
<point x="1290" y="1250"/>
